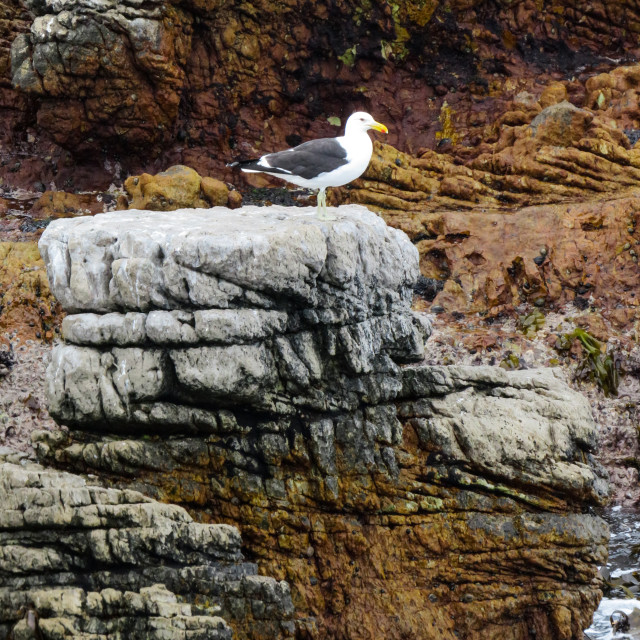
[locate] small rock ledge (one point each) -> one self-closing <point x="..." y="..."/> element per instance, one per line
<point x="261" y="368"/>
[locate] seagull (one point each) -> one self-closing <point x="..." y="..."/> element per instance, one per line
<point x="322" y="163"/>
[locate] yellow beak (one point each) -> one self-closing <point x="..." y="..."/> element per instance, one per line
<point x="380" y="127"/>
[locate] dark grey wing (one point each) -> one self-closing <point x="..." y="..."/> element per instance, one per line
<point x="310" y="159"/>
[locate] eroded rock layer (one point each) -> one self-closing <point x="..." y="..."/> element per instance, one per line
<point x="247" y="366"/>
<point x="79" y="560"/>
<point x="556" y="154"/>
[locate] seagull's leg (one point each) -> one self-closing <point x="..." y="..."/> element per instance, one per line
<point x="325" y="215"/>
<point x="322" y="206"/>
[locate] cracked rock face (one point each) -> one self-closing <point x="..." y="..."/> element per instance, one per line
<point x="80" y="560"/>
<point x="249" y="366"/>
<point x="201" y="79"/>
<point x="113" y="68"/>
<point x="250" y="307"/>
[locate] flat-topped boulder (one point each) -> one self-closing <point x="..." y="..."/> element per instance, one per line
<point x="218" y="258"/>
<point x="255" y="305"/>
<point x="262" y="368"/>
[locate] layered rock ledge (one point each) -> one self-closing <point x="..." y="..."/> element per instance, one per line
<point x="78" y="560"/>
<point x="261" y="367"/>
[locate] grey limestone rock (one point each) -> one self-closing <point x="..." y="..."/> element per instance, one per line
<point x="98" y="562"/>
<point x="137" y="260"/>
<point x="264" y="367"/>
<point x="520" y="427"/>
<point x="307" y="302"/>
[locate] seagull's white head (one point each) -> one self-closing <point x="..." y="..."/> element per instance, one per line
<point x="361" y="121"/>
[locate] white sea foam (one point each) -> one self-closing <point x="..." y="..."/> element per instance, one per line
<point x="600" y="629"/>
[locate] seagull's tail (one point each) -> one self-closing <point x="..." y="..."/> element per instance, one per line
<point x="254" y="166"/>
<point x="250" y="166"/>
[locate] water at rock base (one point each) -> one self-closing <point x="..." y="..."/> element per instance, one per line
<point x="623" y="572"/>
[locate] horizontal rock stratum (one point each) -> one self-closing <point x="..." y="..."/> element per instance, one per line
<point x="79" y="560"/>
<point x="261" y="368"/>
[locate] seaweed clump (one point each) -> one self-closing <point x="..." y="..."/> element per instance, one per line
<point x="597" y="364"/>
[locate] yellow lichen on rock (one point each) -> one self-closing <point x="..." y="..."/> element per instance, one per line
<point x="27" y="307"/>
<point x="561" y="152"/>
<point x="553" y="93"/>
<point x="60" y="204"/>
<point x="421" y="11"/>
<point x="215" y="191"/>
<point x="176" y="188"/>
<point x="448" y="131"/>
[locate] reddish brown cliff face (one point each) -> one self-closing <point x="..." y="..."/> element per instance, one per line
<point x="511" y="166"/>
<point x="546" y="213"/>
<point x="98" y="95"/>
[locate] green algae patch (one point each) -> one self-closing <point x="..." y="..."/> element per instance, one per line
<point x="596" y="365"/>
<point x="510" y="362"/>
<point x="348" y="58"/>
<point x="531" y="322"/>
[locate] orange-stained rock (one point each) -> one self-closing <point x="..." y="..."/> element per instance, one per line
<point x="562" y="153"/>
<point x="111" y="77"/>
<point x="59" y="204"/>
<point x="205" y="82"/>
<point x="27" y="307"/>
<point x="15" y="19"/>
<point x="215" y="192"/>
<point x="492" y="261"/>
<point x="122" y="203"/>
<point x="176" y="188"/>
<point x="560" y="125"/>
<point x="235" y="199"/>
<point x="546" y="213"/>
<point x="594" y="324"/>
<point x="553" y="93"/>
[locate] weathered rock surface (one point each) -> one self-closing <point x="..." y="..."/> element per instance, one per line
<point x="545" y="214"/>
<point x="608" y="377"/>
<point x="14" y="20"/>
<point x="547" y="255"/>
<point x="177" y="188"/>
<point x="548" y="155"/>
<point x="79" y="560"/>
<point x="100" y="68"/>
<point x="59" y="204"/>
<point x="196" y="83"/>
<point x="247" y="366"/>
